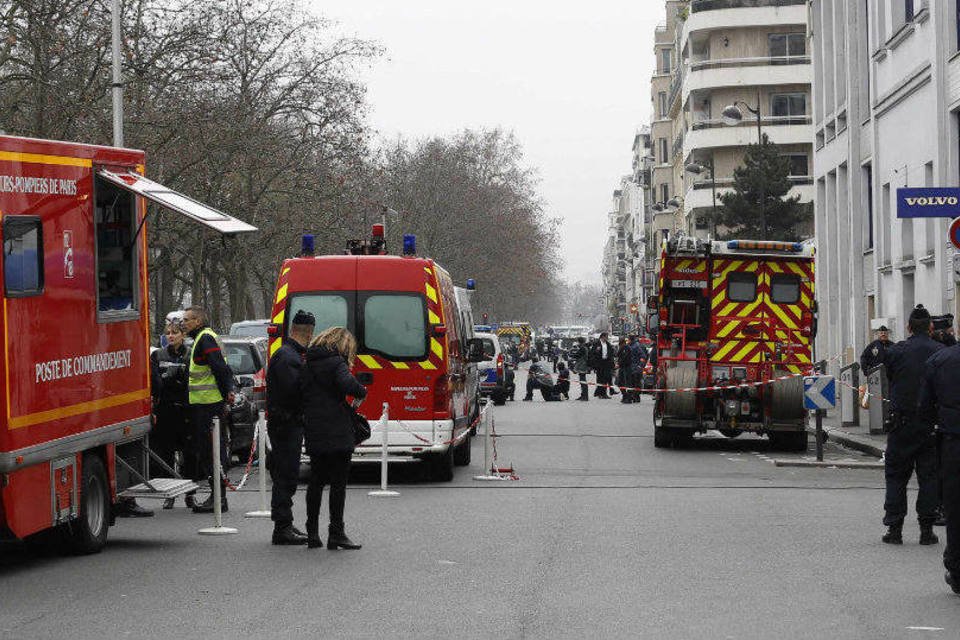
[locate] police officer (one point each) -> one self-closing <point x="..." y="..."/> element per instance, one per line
<point x="872" y="355"/>
<point x="172" y="431"/>
<point x="943" y="330"/>
<point x="284" y="408"/>
<point x="209" y="383"/>
<point x="940" y="402"/>
<point x="910" y="443"/>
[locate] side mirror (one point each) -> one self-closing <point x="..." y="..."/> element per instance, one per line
<point x="475" y="350"/>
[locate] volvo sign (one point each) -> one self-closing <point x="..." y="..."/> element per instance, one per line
<point x="928" y="202"/>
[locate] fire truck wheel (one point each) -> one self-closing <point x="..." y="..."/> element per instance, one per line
<point x="786" y="402"/>
<point x="462" y="454"/>
<point x="499" y="399"/>
<point x="789" y="440"/>
<point x="88" y="533"/>
<point x="662" y="437"/>
<point x="441" y="466"/>
<point x="676" y="404"/>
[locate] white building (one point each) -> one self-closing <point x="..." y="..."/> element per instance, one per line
<point x="886" y="101"/>
<point x="624" y="254"/>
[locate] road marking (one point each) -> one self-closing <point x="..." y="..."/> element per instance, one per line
<point x="924" y="628"/>
<point x="447" y="562"/>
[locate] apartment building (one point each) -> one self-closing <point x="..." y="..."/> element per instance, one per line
<point x="886" y="116"/>
<point x="751" y="54"/>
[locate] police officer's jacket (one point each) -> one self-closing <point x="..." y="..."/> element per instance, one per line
<point x="940" y="392"/>
<point x="872" y="356"/>
<point x="170" y="390"/>
<point x="284" y="400"/>
<point x="905" y="365"/>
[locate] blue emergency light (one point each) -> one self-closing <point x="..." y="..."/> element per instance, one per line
<point x="409" y="244"/>
<point x="471" y="284"/>
<point x="306" y="245"/>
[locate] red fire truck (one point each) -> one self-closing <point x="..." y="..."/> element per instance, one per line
<point x="414" y="336"/>
<point x="736" y="320"/>
<point x="74" y="373"/>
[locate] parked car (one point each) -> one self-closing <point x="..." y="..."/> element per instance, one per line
<point x="247" y="357"/>
<point x="254" y="328"/>
<point x="496" y="377"/>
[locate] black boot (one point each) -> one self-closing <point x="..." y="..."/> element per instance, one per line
<point x="894" y="534"/>
<point x="337" y="539"/>
<point x="953" y="581"/>
<point x="927" y="536"/>
<point x="285" y="535"/>
<point x="207" y="505"/>
<point x="128" y="508"/>
<point x="313" y="535"/>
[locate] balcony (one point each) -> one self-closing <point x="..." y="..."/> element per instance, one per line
<point x="714" y="15"/>
<point x="712" y="5"/>
<point x="712" y="134"/>
<point x="766" y="71"/>
<point x="700" y="195"/>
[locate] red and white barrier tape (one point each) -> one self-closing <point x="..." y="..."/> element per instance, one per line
<point x="249" y="465"/>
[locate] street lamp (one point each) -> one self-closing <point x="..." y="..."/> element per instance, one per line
<point x="698" y="169"/>
<point x="732" y="116"/>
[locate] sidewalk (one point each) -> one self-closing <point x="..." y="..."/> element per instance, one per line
<point x="853" y="437"/>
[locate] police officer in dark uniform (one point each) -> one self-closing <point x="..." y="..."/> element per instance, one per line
<point x="940" y="402"/>
<point x="285" y="426"/>
<point x="872" y="356"/>
<point x="943" y="330"/>
<point x="910" y="443"/>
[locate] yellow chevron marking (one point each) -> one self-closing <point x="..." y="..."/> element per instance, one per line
<point x="792" y="368"/>
<point x="284" y="272"/>
<point x="725" y="349"/>
<point x="426" y="364"/>
<point x="796" y="268"/>
<point x="734" y="264"/>
<point x="400" y="365"/>
<point x="719" y="297"/>
<point x="728" y="309"/>
<point x="274" y="346"/>
<point x="787" y="320"/>
<point x="727" y="329"/>
<point x="749" y="309"/>
<point x="281" y="294"/>
<point x="436" y="347"/>
<point x="744" y="352"/>
<point x="370" y="362"/>
<point x="802" y="357"/>
<point x="278" y="319"/>
<point x="432" y="318"/>
<point x="757" y="357"/>
<point x="431" y="293"/>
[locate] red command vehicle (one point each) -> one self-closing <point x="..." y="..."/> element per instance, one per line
<point x="412" y="341"/>
<point x="74" y="372"/>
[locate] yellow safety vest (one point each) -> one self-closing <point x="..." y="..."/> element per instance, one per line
<point x="202" y="385"/>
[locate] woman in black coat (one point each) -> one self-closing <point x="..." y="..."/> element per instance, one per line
<point x="325" y="382"/>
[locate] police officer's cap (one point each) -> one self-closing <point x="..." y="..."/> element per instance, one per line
<point x="883" y="327"/>
<point x="919" y="313"/>
<point x="943" y="322"/>
<point x="304" y="318"/>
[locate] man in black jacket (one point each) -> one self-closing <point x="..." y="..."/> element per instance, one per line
<point x="910" y="443"/>
<point x="872" y="355"/>
<point x="940" y="402"/>
<point x="604" y="359"/>
<point x="209" y="385"/>
<point x="285" y="408"/>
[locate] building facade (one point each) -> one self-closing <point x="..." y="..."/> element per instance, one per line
<point x="886" y="114"/>
<point x="748" y="53"/>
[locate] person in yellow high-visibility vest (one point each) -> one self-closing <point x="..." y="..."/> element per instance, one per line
<point x="209" y="384"/>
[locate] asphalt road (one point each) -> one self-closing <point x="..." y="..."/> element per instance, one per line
<point x="602" y="536"/>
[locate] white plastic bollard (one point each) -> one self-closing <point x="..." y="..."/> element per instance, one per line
<point x="263" y="511"/>
<point x="488" y="472"/>
<point x="218" y="529"/>
<point x="383" y="492"/>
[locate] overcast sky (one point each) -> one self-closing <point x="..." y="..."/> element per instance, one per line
<point x="570" y="79"/>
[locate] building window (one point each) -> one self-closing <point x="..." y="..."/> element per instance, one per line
<point x="665" y="61"/>
<point x="22" y="256"/>
<point x="664" y="159"/>
<point x="787" y="45"/>
<point x="784" y="105"/>
<point x="664" y="193"/>
<point x="799" y="164"/>
<point x="908" y="10"/>
<point x="868" y="198"/>
<point x="662" y="104"/>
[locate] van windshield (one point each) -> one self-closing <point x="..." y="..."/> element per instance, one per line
<point x="329" y="309"/>
<point x="395" y="325"/>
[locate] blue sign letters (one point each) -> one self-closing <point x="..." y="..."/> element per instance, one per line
<point x="928" y="202"/>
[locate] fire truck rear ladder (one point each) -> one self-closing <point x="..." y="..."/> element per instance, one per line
<point x="156" y="488"/>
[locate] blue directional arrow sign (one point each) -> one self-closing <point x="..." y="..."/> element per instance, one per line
<point x="819" y="392"/>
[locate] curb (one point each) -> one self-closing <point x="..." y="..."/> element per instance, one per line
<point x="829" y="464"/>
<point x="852" y="441"/>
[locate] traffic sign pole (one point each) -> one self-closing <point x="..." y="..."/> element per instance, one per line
<point x="819" y="435"/>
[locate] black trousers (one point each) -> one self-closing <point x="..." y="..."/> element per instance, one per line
<point x="286" y="441"/>
<point x="584" y="389"/>
<point x="328" y="469"/>
<point x="950" y="472"/>
<point x="911" y="446"/>
<point x="172" y="432"/>
<point x="563" y="387"/>
<point x="604" y="376"/>
<point x="202" y="416"/>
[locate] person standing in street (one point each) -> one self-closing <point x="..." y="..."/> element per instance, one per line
<point x="623" y="367"/>
<point x="638" y="360"/>
<point x="210" y="383"/>
<point x="579" y="362"/>
<point x="910" y="444"/>
<point x="325" y="384"/>
<point x="940" y="402"/>
<point x="605" y="359"/>
<point x="285" y="426"/>
<point x="872" y="355"/>
<point x="173" y="427"/>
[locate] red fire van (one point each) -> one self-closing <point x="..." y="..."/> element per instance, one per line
<point x="412" y="342"/>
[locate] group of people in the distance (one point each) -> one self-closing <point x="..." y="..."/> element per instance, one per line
<point x="923" y="430"/>
<point x="627" y="360"/>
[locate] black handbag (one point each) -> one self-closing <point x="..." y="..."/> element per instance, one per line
<point x="361" y="427"/>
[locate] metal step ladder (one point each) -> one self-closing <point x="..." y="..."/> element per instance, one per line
<point x="155" y="488"/>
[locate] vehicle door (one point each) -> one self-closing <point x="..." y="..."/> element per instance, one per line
<point x="787" y="294"/>
<point x="737" y="330"/>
